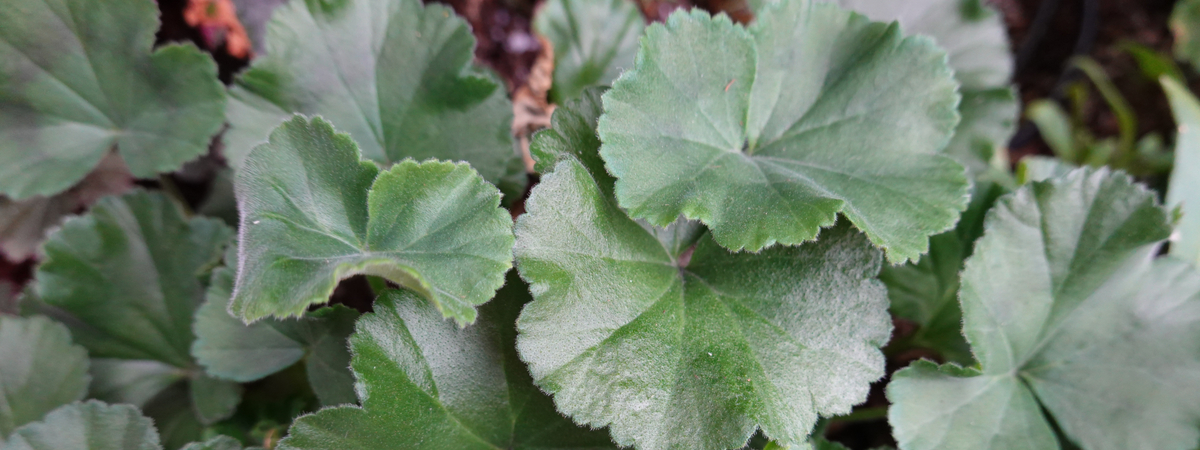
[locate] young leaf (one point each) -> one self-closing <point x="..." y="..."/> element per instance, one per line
<point x="1184" y="191"/>
<point x="218" y="443"/>
<point x="692" y="356"/>
<point x="314" y="213"/>
<point x="976" y="41"/>
<point x="926" y="292"/>
<point x="394" y="74"/>
<point x="80" y="78"/>
<point x="230" y="349"/>
<point x="41" y="370"/>
<point x="129" y="274"/>
<point x="126" y="279"/>
<point x="1067" y="311"/>
<point x="811" y="112"/>
<point x="90" y="425"/>
<point x="594" y="40"/>
<point x="427" y="384"/>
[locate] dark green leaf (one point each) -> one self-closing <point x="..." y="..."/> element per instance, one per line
<point x="692" y="356"/>
<point x="394" y="74"/>
<point x="812" y="112"/>
<point x="1067" y="311"/>
<point x="228" y="348"/>
<point x="40" y="369"/>
<point x="594" y="40"/>
<point x="427" y="384"/>
<point x="79" y="78"/>
<point x="91" y="425"/>
<point x="314" y="213"/>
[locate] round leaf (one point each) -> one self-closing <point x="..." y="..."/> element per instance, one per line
<point x="314" y="213"/>
<point x="766" y="134"/>
<point x="41" y="370"/>
<point x="394" y="74"/>
<point x="689" y="355"/>
<point x="90" y="425"/>
<point x="79" y="78"/>
<point x="1063" y="302"/>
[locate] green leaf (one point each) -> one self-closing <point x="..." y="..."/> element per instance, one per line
<point x="134" y="382"/>
<point x="1185" y="25"/>
<point x="314" y="213"/>
<point x="218" y="443"/>
<point x="811" y="112"/>
<point x="230" y="349"/>
<point x="1042" y="168"/>
<point x="1184" y="190"/>
<point x="1067" y="311"/>
<point x="1055" y="126"/>
<point x="692" y="356"/>
<point x="926" y="292"/>
<point x="129" y="275"/>
<point x="213" y="399"/>
<point x="89" y="425"/>
<point x="394" y="74"/>
<point x="79" y="78"/>
<point x="594" y="40"/>
<point x="976" y="41"/>
<point x="41" y="370"/>
<point x="427" y="384"/>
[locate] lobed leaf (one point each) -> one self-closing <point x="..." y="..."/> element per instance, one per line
<point x="674" y="354"/>
<point x="594" y="40"/>
<point x="79" y="78"/>
<point x="1184" y="189"/>
<point x="230" y="349"/>
<point x="90" y="425"/>
<point x="313" y="213"/>
<point x="394" y="74"/>
<point x="1067" y="311"/>
<point x="41" y="370"/>
<point x="813" y="111"/>
<point x="427" y="384"/>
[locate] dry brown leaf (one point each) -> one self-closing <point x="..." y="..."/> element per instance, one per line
<point x="531" y="110"/>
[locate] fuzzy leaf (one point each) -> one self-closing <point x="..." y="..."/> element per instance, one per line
<point x="1184" y="190"/>
<point x="41" y="370"/>
<point x="811" y="112"/>
<point x="89" y="425"/>
<point x="1067" y="311"/>
<point x="130" y="273"/>
<point x="427" y="384"/>
<point x="697" y="356"/>
<point x="394" y="74"/>
<point x="594" y="40"/>
<point x="976" y="41"/>
<point x="230" y="349"/>
<point x="313" y="213"/>
<point x="79" y="77"/>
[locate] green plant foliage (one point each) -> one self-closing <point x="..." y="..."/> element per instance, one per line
<point x="427" y="384"/>
<point x="626" y="333"/>
<point x="926" y="292"/>
<point x="313" y="213"/>
<point x="126" y="279"/>
<point x="1184" y="191"/>
<point x="41" y="370"/>
<point x="79" y="78"/>
<point x="1185" y="25"/>
<point x="594" y="40"/>
<point x="218" y="443"/>
<point x="1067" y="311"/>
<point x="763" y="148"/>
<point x="90" y="425"/>
<point x="394" y="74"/>
<point x="230" y="349"/>
<point x="976" y="41"/>
<point x="1041" y="168"/>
